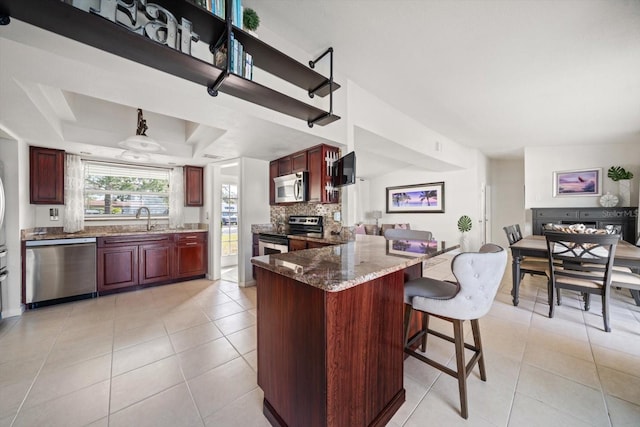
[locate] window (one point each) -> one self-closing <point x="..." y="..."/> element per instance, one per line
<point x="117" y="191"/>
<point x="229" y="220"/>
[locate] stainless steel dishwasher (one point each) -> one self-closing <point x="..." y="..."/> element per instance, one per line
<point x="61" y="268"/>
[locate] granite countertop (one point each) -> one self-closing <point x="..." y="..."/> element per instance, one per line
<point x="263" y="228"/>
<point x="317" y="237"/>
<point x="47" y="233"/>
<point x="340" y="267"/>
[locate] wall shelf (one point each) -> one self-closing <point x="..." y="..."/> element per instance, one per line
<point x="93" y="30"/>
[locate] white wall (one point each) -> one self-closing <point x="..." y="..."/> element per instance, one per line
<point x="462" y="196"/>
<point x="254" y="209"/>
<point x="541" y="162"/>
<point x="507" y="196"/>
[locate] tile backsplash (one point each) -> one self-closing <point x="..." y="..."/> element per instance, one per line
<point x="280" y="214"/>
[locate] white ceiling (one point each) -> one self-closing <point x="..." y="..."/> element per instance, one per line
<point x="496" y="75"/>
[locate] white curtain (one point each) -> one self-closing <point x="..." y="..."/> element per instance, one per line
<point x="176" y="198"/>
<point x="73" y="194"/>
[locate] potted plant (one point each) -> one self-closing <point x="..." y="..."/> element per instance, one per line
<point x="464" y="226"/>
<point x="250" y="20"/>
<point x="623" y="178"/>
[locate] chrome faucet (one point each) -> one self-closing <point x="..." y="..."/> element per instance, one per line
<point x="148" y="216"/>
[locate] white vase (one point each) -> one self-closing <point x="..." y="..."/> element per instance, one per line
<point x="464" y="242"/>
<point x="624" y="188"/>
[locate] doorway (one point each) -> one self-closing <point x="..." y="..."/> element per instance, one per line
<point x="229" y="231"/>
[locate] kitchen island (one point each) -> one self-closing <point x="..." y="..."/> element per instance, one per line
<point x="330" y="333"/>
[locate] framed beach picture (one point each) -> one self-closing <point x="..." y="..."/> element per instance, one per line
<point x="411" y="248"/>
<point x="584" y="182"/>
<point x="419" y="198"/>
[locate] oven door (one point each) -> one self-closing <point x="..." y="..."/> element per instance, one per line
<point x="268" y="248"/>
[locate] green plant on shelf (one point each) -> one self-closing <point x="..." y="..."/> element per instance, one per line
<point x="617" y="173"/>
<point x="250" y="19"/>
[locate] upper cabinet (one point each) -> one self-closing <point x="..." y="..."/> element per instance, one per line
<point x="160" y="34"/>
<point x="299" y="162"/>
<point x="273" y="172"/>
<point x="284" y="166"/>
<point x="315" y="161"/>
<point x="46" y="176"/>
<point x="320" y="184"/>
<point x="193" y="183"/>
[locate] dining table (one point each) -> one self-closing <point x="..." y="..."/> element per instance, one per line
<point x="627" y="255"/>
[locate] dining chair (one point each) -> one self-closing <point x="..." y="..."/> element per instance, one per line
<point x="528" y="265"/>
<point x="478" y="276"/>
<point x="403" y="234"/>
<point x="581" y="262"/>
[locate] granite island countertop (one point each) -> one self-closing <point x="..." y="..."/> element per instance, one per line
<point x="340" y="267"/>
<point x="48" y="233"/>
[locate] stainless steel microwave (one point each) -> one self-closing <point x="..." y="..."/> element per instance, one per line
<point x="292" y="188"/>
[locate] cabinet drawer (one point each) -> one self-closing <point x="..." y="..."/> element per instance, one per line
<point x="190" y="237"/>
<point x="104" y="242"/>
<point x="555" y="213"/>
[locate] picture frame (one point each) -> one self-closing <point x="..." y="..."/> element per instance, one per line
<point x="579" y="182"/>
<point x="411" y="248"/>
<point x="418" y="198"/>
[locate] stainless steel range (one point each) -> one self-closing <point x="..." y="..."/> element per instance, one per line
<point x="277" y="243"/>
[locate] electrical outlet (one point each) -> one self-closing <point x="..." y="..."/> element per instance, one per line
<point x="336" y="216"/>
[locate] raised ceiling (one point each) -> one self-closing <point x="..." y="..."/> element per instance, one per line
<point x="496" y="75"/>
<point x="492" y="75"/>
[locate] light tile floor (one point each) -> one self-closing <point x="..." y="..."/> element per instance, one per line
<point x="185" y="355"/>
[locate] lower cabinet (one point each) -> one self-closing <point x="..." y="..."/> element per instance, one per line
<point x="154" y="263"/>
<point x="117" y="267"/>
<point x="129" y="261"/>
<point x="298" y="245"/>
<point x="191" y="255"/>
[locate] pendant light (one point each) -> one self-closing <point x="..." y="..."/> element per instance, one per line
<point x="140" y="142"/>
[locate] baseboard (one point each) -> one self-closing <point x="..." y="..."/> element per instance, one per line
<point x="14" y="312"/>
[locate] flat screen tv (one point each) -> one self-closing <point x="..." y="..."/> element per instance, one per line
<point x="344" y="171"/>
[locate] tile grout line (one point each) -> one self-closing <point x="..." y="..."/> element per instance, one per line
<point x="35" y="378"/>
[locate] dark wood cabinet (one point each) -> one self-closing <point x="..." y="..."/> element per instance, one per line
<point x="154" y="262"/>
<point x="191" y="255"/>
<point x="311" y="366"/>
<point x="46" y="176"/>
<point x="314" y="161"/>
<point x="193" y="186"/>
<point x="319" y="178"/>
<point x="297" y="245"/>
<point x="299" y="162"/>
<point x="273" y="172"/>
<point x="117" y="267"/>
<point x="149" y="259"/>
<point x="284" y="166"/>
<point x="623" y="218"/>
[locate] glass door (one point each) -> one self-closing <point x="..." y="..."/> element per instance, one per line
<point x="229" y="225"/>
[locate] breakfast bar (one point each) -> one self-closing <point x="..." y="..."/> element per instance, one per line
<point x="330" y="331"/>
